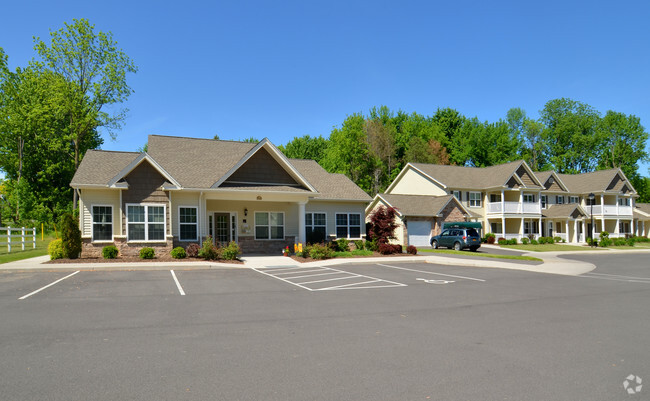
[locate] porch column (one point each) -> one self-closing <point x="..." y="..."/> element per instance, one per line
<point x="521" y="228"/>
<point x="301" y="222"/>
<point x="576" y="233"/>
<point x="617" y="204"/>
<point x="602" y="216"/>
<point x="520" y="208"/>
<point x="539" y="234"/>
<point x="567" y="231"/>
<point x="503" y="226"/>
<point x="617" y="229"/>
<point x="503" y="207"/>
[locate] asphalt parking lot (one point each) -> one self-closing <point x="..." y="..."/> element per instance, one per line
<point x="389" y="331"/>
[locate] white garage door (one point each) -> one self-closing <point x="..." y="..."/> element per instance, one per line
<point x="419" y="232"/>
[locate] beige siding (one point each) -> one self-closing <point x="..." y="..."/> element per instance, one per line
<point x="525" y="177"/>
<point x="331" y="208"/>
<point x="97" y="197"/>
<point x="290" y="210"/>
<point x="414" y="183"/>
<point x="180" y="198"/>
<point x="554" y="186"/>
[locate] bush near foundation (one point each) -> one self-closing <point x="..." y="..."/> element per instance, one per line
<point x="147" y="253"/>
<point x="71" y="237"/>
<point x="109" y="252"/>
<point x="411" y="250"/>
<point x="192" y="250"/>
<point x="318" y="251"/>
<point x="178" y="253"/>
<point x="55" y="249"/>
<point x="231" y="252"/>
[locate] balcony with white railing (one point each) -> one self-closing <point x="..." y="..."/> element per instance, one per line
<point x="513" y="208"/>
<point x="610" y="210"/>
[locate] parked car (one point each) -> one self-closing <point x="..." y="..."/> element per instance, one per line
<point x="457" y="238"/>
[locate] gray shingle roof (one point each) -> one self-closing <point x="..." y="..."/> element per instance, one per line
<point x="643" y="207"/>
<point x="199" y="163"/>
<point x="562" y="211"/>
<point x="417" y="205"/>
<point x="596" y="181"/>
<point x="98" y="167"/>
<point x="470" y="177"/>
<point x="329" y="185"/>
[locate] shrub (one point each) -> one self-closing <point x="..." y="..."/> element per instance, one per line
<point x="386" y="249"/>
<point x="359" y="244"/>
<point x="557" y="239"/>
<point x="318" y="251"/>
<point x="630" y="241"/>
<point x="372" y="245"/>
<point x="147" y="253"/>
<point x="604" y="234"/>
<point x="491" y="238"/>
<point x="503" y="241"/>
<point x="315" y="237"/>
<point x="71" y="237"/>
<point x="178" y="253"/>
<point x="605" y="242"/>
<point x="412" y="250"/>
<point x="208" y="251"/>
<point x="192" y="250"/>
<point x="109" y="252"/>
<point x="512" y="241"/>
<point x="641" y="239"/>
<point x="55" y="249"/>
<point x="342" y="245"/>
<point x="231" y="252"/>
<point x="533" y="241"/>
<point x="525" y="241"/>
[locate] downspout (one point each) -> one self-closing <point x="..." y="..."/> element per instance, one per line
<point x="200" y="217"/>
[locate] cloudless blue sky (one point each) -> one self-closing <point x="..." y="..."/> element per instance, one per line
<point x="282" y="69"/>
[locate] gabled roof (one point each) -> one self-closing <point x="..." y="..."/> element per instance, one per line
<point x="643" y="208"/>
<point x="475" y="177"/>
<point x="544" y="176"/>
<point x="597" y="181"/>
<point x="98" y="167"/>
<point x="207" y="164"/>
<point x="417" y="205"/>
<point x="564" y="211"/>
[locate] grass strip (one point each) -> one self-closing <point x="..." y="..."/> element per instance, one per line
<point x="480" y="255"/>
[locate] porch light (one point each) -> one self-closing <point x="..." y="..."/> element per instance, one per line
<point x="245" y="212"/>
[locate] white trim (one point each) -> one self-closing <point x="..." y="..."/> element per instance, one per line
<point x="284" y="223"/>
<point x="146" y="223"/>
<point x="196" y="223"/>
<point x="348" y="225"/>
<point x="276" y="154"/>
<point x="92" y="223"/>
<point x="135" y="163"/>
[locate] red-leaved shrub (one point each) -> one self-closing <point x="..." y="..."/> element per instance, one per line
<point x="192" y="250"/>
<point x="412" y="250"/>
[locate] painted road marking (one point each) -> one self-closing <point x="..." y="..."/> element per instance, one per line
<point x="180" y="289"/>
<point x="428" y="272"/>
<point x="435" y="281"/>
<point x="47" y="286"/>
<point x="614" y="277"/>
<point x="300" y="274"/>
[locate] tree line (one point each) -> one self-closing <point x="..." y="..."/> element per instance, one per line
<point x="569" y="137"/>
<point x="50" y="115"/>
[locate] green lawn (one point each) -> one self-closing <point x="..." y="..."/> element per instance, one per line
<point x="358" y="252"/>
<point x="548" y="248"/>
<point x="481" y="255"/>
<point x="29" y="252"/>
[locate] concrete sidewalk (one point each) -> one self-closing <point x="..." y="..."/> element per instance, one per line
<point x="552" y="263"/>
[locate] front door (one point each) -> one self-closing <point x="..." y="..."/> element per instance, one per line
<point x="222" y="228"/>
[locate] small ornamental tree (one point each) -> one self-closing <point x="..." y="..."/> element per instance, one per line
<point x="382" y="225"/>
<point x="71" y="237"/>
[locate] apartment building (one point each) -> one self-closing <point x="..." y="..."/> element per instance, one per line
<point x="512" y="201"/>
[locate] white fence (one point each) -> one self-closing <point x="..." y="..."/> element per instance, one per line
<point x="26" y="235"/>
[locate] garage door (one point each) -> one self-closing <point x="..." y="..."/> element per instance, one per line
<point x="419" y="232"/>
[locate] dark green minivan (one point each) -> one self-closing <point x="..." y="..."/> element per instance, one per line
<point x="457" y="238"/>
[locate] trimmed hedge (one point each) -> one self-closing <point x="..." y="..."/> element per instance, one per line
<point x="55" y="249"/>
<point x="109" y="252"/>
<point x="178" y="253"/>
<point x="147" y="253"/>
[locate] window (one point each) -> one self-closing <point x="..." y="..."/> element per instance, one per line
<point x="496" y="228"/>
<point x="348" y="225"/>
<point x="269" y="225"/>
<point x="526" y="227"/>
<point x="624" y="201"/>
<point x="559" y="199"/>
<point x="102" y="223"/>
<point x="316" y="225"/>
<point x="495" y="198"/>
<point x="457" y="195"/>
<point x="574" y="199"/>
<point x="529" y="198"/>
<point x="145" y="223"/>
<point x="624" y="227"/>
<point x="544" y="201"/>
<point x="558" y="227"/>
<point x="188" y="223"/>
<point x="475" y="199"/>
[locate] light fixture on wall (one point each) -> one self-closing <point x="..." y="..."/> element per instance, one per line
<point x="245" y="212"/>
<point x="259" y="197"/>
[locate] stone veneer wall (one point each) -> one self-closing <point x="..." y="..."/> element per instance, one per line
<point x="90" y="249"/>
<point x="249" y="245"/>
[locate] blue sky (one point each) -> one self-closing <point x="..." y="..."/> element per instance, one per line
<point x="285" y="69"/>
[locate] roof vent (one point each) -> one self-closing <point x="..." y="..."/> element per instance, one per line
<point x="550" y="180"/>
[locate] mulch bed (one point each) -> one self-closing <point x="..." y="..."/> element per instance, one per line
<point x="135" y="259"/>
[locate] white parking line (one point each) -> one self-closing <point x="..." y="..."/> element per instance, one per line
<point x="49" y="285"/>
<point x="619" y="276"/>
<point x="428" y="272"/>
<point x="609" y="278"/>
<point x="321" y="271"/>
<point x="180" y="289"/>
